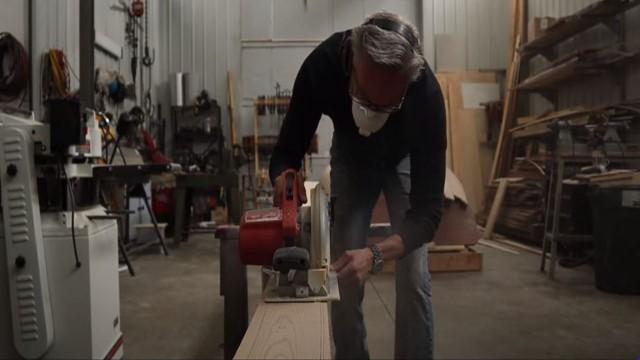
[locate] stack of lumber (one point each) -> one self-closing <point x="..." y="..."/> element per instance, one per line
<point x="536" y="126"/>
<point x="582" y="62"/>
<point x="613" y="178"/>
<point x="522" y="212"/>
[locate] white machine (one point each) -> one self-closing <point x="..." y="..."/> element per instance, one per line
<point x="59" y="290"/>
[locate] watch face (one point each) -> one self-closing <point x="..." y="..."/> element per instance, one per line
<point x="377" y="266"/>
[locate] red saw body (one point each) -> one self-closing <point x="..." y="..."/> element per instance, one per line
<point x="264" y="231"/>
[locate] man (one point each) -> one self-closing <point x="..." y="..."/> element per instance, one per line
<point x="389" y="119"/>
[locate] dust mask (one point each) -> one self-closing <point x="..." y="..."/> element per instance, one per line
<point x="368" y="121"/>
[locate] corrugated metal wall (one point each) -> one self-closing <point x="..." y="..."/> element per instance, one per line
<point x="484" y="24"/>
<point x="56" y="25"/>
<point x="197" y="38"/>
<point x="205" y="37"/>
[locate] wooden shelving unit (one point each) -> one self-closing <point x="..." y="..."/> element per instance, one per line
<point x="568" y="26"/>
<point x="580" y="64"/>
<point x="534" y="147"/>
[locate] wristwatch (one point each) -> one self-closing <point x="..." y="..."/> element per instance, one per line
<point x="378" y="260"/>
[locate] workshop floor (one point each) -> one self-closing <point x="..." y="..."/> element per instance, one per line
<point x="172" y="310"/>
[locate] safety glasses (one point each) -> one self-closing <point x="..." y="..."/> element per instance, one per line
<point x="359" y="98"/>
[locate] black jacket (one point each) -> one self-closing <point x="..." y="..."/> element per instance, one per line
<point x="418" y="130"/>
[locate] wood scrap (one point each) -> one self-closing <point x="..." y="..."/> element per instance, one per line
<point x="507" y="118"/>
<point x="617" y="178"/>
<point x="495" y="207"/>
<point x="520" y="246"/>
<point x="522" y="210"/>
<point x="493" y="245"/>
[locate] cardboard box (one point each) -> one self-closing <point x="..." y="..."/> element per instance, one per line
<point x="539" y="25"/>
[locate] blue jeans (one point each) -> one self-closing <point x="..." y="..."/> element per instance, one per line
<point x="354" y="192"/>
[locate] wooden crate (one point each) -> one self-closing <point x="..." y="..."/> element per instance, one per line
<point x="454" y="260"/>
<point x="447" y="259"/>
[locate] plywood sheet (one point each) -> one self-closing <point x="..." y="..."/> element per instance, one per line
<point x="287" y="331"/>
<point x="465" y="139"/>
<point x="457" y="226"/>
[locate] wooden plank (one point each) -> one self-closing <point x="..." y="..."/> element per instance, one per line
<point x="463" y="129"/>
<point x="493" y="245"/>
<point x="288" y="331"/>
<point x="495" y="208"/>
<point x="231" y="88"/>
<point x="504" y="141"/>
<point x="456" y="261"/>
<point x="520" y="246"/>
<point x="566" y="113"/>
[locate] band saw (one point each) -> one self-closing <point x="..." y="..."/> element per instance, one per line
<point x="292" y="244"/>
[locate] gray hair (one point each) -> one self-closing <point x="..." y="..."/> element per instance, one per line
<point x="389" y="48"/>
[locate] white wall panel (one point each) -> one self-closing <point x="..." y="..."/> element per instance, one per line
<point x="256" y="18"/>
<point x="308" y="20"/>
<point x="428" y="30"/>
<point x="347" y="14"/>
<point x="408" y="9"/>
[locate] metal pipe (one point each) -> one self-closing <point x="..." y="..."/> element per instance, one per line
<point x="30" y="26"/>
<point x="87" y="57"/>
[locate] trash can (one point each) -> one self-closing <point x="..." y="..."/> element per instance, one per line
<point x="616" y="231"/>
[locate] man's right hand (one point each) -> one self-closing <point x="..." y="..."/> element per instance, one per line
<point x="278" y="189"/>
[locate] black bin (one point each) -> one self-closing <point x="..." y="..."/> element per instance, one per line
<point x="616" y="230"/>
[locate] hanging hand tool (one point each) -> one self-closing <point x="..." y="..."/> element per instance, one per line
<point x="131" y="30"/>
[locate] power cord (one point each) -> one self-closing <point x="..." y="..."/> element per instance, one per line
<point x="73" y="214"/>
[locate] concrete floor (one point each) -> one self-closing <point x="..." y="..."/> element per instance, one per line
<point x="172" y="309"/>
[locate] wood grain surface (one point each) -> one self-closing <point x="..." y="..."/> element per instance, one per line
<point x="287" y="331"/>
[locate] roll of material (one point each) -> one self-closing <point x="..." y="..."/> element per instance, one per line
<point x="191" y="87"/>
<point x="177" y="89"/>
<point x="185" y="87"/>
<point x="95" y="136"/>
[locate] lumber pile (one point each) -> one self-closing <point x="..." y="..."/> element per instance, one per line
<point x="583" y="62"/>
<point x="613" y="178"/>
<point x="521" y="214"/>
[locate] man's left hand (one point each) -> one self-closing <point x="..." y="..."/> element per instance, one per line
<point x="354" y="266"/>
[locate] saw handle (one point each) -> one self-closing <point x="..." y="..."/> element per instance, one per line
<point x="289" y="206"/>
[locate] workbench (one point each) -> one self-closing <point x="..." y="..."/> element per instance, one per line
<point x="186" y="183"/>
